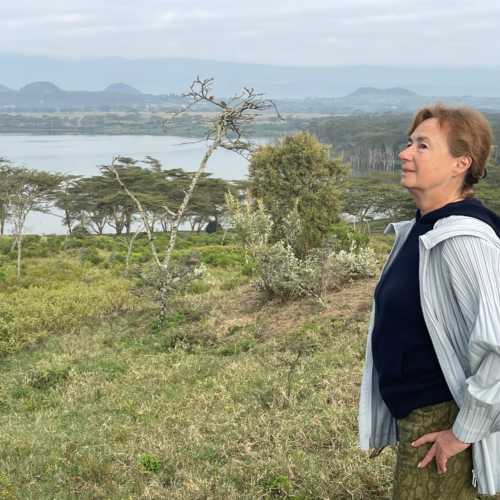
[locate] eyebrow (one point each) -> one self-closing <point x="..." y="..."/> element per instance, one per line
<point x="420" y="138"/>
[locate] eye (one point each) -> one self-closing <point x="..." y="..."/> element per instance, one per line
<point x="422" y="146"/>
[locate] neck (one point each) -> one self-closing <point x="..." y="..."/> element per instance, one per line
<point x="426" y="203"/>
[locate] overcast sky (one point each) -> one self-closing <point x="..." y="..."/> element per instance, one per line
<point x="299" y="32"/>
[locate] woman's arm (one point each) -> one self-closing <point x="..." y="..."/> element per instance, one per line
<point x="474" y="269"/>
<point x="473" y="266"/>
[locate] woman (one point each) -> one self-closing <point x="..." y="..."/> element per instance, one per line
<point x="431" y="380"/>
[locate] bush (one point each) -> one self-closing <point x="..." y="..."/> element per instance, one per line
<point x="342" y="235"/>
<point x="5" y="245"/>
<point x="362" y="263"/>
<point x="28" y="315"/>
<point x="47" y="377"/>
<point x="80" y="231"/>
<point x="157" y="285"/>
<point x="298" y="177"/>
<point x="282" y="274"/>
<point x="91" y="255"/>
<point x="150" y="463"/>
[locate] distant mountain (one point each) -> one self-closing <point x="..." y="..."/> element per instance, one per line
<point x="122" y="88"/>
<point x="46" y="96"/>
<point x="174" y="75"/>
<point x="4" y="89"/>
<point x="370" y="92"/>
<point x="40" y="89"/>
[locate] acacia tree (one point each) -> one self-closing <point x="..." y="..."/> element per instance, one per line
<point x="5" y="171"/>
<point x="28" y="190"/>
<point x="65" y="201"/>
<point x="208" y="202"/>
<point x="378" y="194"/>
<point x="226" y="131"/>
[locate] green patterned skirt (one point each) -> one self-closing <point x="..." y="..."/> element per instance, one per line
<point x="411" y="483"/>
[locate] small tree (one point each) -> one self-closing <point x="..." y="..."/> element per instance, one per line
<point x="28" y="190"/>
<point x="5" y="172"/>
<point x="298" y="174"/>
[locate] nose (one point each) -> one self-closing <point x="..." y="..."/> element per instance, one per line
<point x="405" y="153"/>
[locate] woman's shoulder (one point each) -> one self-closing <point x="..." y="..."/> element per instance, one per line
<point x="458" y="230"/>
<point x="473" y="259"/>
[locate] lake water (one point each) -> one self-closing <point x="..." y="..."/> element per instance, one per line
<point x="82" y="154"/>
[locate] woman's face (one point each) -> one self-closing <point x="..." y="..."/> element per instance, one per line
<point x="426" y="162"/>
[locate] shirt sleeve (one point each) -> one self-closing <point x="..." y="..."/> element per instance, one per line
<point x="474" y="268"/>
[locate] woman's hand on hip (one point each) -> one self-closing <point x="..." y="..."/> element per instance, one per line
<point x="445" y="445"/>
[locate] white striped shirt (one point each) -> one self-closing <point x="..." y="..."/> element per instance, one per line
<point x="460" y="297"/>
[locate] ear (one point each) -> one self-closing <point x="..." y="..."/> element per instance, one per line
<point x="462" y="164"/>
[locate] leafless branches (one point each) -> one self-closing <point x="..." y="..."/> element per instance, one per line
<point x="240" y="110"/>
<point x="225" y="130"/>
<point x="144" y="217"/>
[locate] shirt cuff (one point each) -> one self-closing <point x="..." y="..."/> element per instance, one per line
<point x="474" y="420"/>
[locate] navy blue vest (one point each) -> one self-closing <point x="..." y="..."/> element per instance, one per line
<point x="409" y="373"/>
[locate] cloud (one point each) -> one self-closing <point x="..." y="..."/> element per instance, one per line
<point x="318" y="32"/>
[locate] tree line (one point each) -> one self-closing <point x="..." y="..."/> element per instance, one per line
<point x="92" y="204"/>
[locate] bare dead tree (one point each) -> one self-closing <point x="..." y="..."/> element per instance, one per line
<point x="226" y="130"/>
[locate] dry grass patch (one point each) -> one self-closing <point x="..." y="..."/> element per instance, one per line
<point x="230" y="400"/>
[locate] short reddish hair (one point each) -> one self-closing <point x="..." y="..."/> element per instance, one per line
<point x="469" y="133"/>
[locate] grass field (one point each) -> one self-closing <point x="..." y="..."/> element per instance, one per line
<point x="230" y="399"/>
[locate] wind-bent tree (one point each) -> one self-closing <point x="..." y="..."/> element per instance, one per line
<point x="85" y="201"/>
<point x="226" y="131"/>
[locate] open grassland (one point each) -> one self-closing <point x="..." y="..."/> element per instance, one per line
<point x="230" y="399"/>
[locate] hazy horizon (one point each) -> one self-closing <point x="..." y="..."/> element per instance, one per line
<point x="318" y="33"/>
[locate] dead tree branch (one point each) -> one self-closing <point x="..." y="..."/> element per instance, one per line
<point x="225" y="130"/>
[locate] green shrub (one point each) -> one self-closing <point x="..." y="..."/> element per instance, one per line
<point x="356" y="263"/>
<point x="117" y="257"/>
<point x="47" y="377"/>
<point x="91" y="255"/>
<point x="28" y="315"/>
<point x="282" y="274"/>
<point x="5" y="245"/>
<point x="149" y="462"/>
<point x="80" y="232"/>
<point x="277" y="486"/>
<point x="342" y="235"/>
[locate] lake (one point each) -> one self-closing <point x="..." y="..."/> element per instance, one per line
<point x="82" y="154"/>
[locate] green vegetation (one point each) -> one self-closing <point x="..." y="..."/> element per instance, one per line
<point x="230" y="398"/>
<point x="301" y="187"/>
<point x="120" y="380"/>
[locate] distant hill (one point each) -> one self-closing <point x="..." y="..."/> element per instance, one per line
<point x="46" y="96"/>
<point x="4" y="89"/>
<point x="174" y="75"/>
<point x="122" y="88"/>
<point x="40" y="89"/>
<point x="386" y="93"/>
